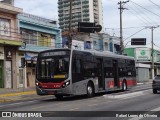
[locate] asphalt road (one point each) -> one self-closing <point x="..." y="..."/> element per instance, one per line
<point x="103" y="106"/>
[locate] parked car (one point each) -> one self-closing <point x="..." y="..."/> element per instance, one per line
<point x="156" y="84"/>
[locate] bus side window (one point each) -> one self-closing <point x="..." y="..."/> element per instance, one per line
<point x="121" y="67"/>
<point x="78" y="66"/>
<point x="77" y="69"/>
<point x="108" y="68"/>
<point x="88" y="70"/>
<point x="130" y="68"/>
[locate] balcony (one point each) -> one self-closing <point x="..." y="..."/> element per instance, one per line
<point x="10" y="9"/>
<point x="10" y="37"/>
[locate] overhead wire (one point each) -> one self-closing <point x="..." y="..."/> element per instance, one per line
<point x="143" y="14"/>
<point x="134" y="33"/>
<point x="135" y="13"/>
<point x="154" y="3"/>
<point x="145" y="8"/>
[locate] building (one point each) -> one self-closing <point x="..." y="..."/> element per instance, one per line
<point x="82" y="10"/>
<point x="10" y="40"/>
<point x="95" y="41"/>
<point x="38" y="34"/>
<point x="143" y="59"/>
<point x="11" y="2"/>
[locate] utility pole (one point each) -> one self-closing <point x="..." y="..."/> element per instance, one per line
<point x="152" y="28"/>
<point x="121" y="8"/>
<point x="70" y="26"/>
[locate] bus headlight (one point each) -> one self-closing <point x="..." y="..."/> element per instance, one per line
<point x="37" y="83"/>
<point x="66" y="84"/>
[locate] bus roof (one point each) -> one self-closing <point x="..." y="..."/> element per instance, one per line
<point x="94" y="52"/>
<point x="106" y="53"/>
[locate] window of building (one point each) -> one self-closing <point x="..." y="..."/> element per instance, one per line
<point x="5" y="27"/>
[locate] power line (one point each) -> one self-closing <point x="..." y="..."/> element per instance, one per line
<point x="140" y="11"/>
<point x="145" y="8"/>
<point x="125" y="28"/>
<point x="156" y="45"/>
<point x="142" y="18"/>
<point x="135" y="33"/>
<point x="154" y="3"/>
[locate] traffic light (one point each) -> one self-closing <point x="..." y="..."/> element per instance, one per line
<point x="23" y="62"/>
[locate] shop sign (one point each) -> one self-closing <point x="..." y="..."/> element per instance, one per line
<point x="143" y="54"/>
<point x="8" y="54"/>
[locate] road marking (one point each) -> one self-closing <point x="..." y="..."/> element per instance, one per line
<point x="156" y="109"/>
<point x="57" y="104"/>
<point x="93" y="105"/>
<point x="74" y="109"/>
<point x="126" y="95"/>
<point x="37" y="107"/>
<point x="18" y="103"/>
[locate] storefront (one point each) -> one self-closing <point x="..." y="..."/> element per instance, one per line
<point x="10" y="67"/>
<point x="30" y="68"/>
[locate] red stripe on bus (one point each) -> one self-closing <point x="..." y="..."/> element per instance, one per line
<point x="129" y="83"/>
<point x="51" y="85"/>
<point x="110" y="84"/>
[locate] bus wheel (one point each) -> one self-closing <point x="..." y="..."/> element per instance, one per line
<point x="90" y="90"/>
<point x="154" y="91"/>
<point x="124" y="86"/>
<point x="59" y="97"/>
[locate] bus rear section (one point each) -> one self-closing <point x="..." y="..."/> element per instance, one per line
<point x="52" y="73"/>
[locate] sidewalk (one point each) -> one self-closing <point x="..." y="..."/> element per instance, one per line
<point x="145" y="82"/>
<point x="9" y="94"/>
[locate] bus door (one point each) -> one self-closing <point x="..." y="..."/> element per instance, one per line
<point x="115" y="73"/>
<point x="100" y="71"/>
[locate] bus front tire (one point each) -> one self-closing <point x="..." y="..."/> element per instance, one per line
<point x="90" y="90"/>
<point x="59" y="97"/>
<point x="124" y="86"/>
<point x="154" y="91"/>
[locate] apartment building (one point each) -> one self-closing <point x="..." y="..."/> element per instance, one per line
<point x="82" y="10"/>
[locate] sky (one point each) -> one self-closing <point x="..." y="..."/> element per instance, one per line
<point x="137" y="17"/>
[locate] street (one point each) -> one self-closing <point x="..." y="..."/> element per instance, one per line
<point x="102" y="105"/>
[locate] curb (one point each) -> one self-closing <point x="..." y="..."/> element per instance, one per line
<point x="18" y="94"/>
<point x="141" y="83"/>
<point x="11" y="97"/>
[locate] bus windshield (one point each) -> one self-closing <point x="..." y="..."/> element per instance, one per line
<point x="53" y="67"/>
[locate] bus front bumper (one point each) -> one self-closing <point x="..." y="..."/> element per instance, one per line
<point x="63" y="91"/>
